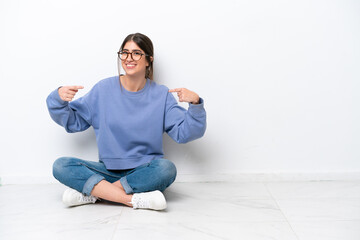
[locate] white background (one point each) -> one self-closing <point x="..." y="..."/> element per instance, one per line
<point x="280" y="80"/>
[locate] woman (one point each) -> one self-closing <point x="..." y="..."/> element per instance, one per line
<point x="129" y="114"/>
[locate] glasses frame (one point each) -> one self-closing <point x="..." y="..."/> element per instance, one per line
<point x="131" y="54"/>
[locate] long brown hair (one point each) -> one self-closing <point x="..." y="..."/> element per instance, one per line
<point x="146" y="45"/>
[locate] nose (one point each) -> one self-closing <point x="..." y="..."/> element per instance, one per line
<point x="129" y="58"/>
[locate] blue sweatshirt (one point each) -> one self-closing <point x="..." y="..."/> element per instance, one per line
<point x="129" y="125"/>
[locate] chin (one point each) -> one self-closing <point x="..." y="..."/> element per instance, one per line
<point x="134" y="74"/>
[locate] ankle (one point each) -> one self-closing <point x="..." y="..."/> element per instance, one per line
<point x="129" y="202"/>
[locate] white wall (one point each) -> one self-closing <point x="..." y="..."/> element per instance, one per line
<point x="280" y="80"/>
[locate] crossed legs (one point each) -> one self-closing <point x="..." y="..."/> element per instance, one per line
<point x="92" y="178"/>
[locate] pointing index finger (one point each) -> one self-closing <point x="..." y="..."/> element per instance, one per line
<point x="76" y="87"/>
<point x="175" y="90"/>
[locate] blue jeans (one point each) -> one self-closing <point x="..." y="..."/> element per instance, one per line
<point x="83" y="175"/>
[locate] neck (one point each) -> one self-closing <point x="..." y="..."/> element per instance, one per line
<point x="132" y="83"/>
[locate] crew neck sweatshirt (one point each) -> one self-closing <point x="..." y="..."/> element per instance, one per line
<point x="129" y="126"/>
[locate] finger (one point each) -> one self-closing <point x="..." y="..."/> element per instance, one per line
<point x="76" y="87"/>
<point x="72" y="91"/>
<point x="69" y="96"/>
<point x="69" y="93"/>
<point x="175" y="90"/>
<point x="66" y="99"/>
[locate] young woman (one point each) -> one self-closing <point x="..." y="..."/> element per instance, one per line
<point x="129" y="114"/>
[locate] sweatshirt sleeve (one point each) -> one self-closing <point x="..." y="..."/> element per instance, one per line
<point x="74" y="116"/>
<point x="184" y="125"/>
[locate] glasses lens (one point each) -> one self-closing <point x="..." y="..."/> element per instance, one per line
<point x="123" y="55"/>
<point x="136" y="56"/>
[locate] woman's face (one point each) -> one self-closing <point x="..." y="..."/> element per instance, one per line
<point x="131" y="66"/>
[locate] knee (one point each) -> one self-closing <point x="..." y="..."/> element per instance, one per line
<point x="60" y="165"/>
<point x="168" y="170"/>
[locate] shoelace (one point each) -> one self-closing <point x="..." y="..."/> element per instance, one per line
<point x="84" y="198"/>
<point x="140" y="203"/>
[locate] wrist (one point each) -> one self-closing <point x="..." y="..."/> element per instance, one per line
<point x="196" y="102"/>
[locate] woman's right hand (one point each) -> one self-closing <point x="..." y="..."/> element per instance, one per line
<point x="67" y="93"/>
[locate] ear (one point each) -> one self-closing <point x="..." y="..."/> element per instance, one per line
<point x="151" y="59"/>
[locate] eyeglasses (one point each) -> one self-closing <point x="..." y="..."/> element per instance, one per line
<point x="135" y="55"/>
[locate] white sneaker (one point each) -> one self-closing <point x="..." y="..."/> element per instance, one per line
<point x="149" y="200"/>
<point x="72" y="198"/>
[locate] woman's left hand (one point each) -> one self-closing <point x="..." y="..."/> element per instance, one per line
<point x="186" y="95"/>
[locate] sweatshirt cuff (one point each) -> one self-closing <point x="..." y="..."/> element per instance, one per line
<point x="197" y="109"/>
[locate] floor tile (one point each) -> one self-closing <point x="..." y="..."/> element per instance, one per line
<point x="320" y="209"/>
<point x="179" y="228"/>
<point x="189" y="210"/>
<point x="327" y="230"/>
<point x="36" y="212"/>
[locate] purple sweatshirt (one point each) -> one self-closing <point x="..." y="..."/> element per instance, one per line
<point x="129" y="125"/>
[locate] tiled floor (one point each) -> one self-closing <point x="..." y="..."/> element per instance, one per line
<point x="250" y="211"/>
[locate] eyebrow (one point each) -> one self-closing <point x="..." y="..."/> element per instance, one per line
<point x="138" y="50"/>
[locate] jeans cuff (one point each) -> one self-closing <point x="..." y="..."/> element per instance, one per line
<point x="90" y="183"/>
<point x="126" y="186"/>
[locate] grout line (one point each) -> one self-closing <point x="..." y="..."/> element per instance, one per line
<point x="277" y="204"/>
<point x="117" y="224"/>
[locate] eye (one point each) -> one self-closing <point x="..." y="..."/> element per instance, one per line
<point x="137" y="53"/>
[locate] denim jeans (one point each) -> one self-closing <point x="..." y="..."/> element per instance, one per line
<point x="83" y="175"/>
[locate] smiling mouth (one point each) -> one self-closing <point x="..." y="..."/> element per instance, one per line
<point x="130" y="65"/>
